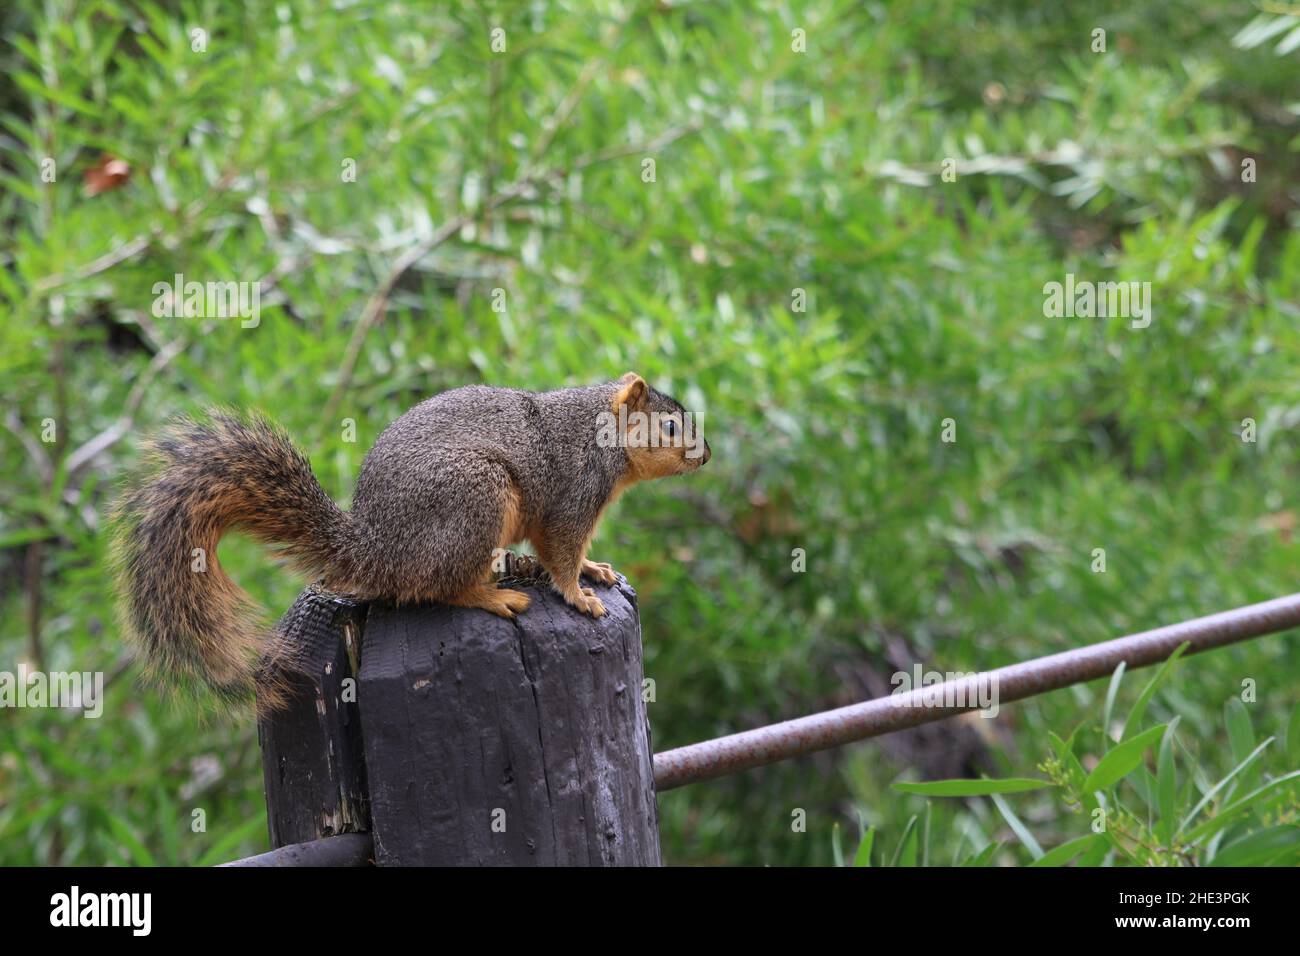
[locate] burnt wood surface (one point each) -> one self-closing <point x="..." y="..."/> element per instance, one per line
<point x="312" y="760"/>
<point x="519" y="742"/>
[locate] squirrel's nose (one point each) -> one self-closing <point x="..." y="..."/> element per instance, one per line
<point x="707" y="453"/>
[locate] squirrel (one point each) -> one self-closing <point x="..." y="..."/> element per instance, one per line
<point x="444" y="489"/>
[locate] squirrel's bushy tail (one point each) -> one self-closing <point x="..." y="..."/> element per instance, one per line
<point x="190" y="621"/>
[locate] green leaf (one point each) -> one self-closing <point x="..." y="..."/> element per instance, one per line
<point x="1293" y="736"/>
<point x="1209" y="795"/>
<point x="1017" y="826"/>
<point x="1062" y="747"/>
<point x="925" y="835"/>
<point x="25" y="535"/>
<point x="1238" y="807"/>
<point x="1240" y="734"/>
<point x="127" y="838"/>
<point x="1271" y="846"/>
<point x="1290" y="42"/>
<point x="34" y="86"/>
<point x="1121" y="760"/>
<point x="905" y="854"/>
<point x="984" y="856"/>
<point x="1111" y="691"/>
<point x="973" y="788"/>
<point x="1096" y="853"/>
<point x="863" y="856"/>
<point x="1166" y="784"/>
<point x="1063" y="854"/>
<point x="1260" y="29"/>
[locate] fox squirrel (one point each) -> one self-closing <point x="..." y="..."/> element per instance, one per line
<point x="456" y="478"/>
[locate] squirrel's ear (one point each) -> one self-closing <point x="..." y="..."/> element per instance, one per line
<point x="632" y="391"/>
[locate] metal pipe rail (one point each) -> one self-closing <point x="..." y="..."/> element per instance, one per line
<point x="343" y="849"/>
<point x="832" y="728"/>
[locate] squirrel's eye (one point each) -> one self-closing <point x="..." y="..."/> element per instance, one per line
<point x="670" y="427"/>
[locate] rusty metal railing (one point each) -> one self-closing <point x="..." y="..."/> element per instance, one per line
<point x="345" y="849"/>
<point x="832" y="728"/>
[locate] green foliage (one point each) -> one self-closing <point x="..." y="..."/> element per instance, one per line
<point x="775" y="171"/>
<point x="1143" y="820"/>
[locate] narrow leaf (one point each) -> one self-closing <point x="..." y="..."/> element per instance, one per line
<point x="972" y="788"/>
<point x="1063" y="854"/>
<point x="1121" y="760"/>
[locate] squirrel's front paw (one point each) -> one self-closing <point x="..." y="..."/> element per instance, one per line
<point x="600" y="571"/>
<point x="587" y="602"/>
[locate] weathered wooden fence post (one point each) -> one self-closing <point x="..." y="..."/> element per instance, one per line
<point x="484" y="741"/>
<point x="313" y="763"/>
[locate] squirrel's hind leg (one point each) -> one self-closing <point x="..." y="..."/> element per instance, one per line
<point x="474" y="513"/>
<point x="484" y="594"/>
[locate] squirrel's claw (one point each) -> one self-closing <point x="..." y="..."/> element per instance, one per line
<point x="600" y="571"/>
<point x="587" y="602"/>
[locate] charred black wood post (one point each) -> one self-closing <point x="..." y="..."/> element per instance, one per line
<point x="473" y="740"/>
<point x="312" y="758"/>
<point x="495" y="742"/>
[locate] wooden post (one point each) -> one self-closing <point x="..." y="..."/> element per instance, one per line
<point x="518" y="742"/>
<point x="486" y="741"/>
<point x="313" y="763"/>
